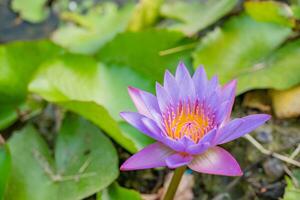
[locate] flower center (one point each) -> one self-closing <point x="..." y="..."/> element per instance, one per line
<point x="188" y="119"/>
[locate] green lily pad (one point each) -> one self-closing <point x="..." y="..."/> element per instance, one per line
<point x="31" y="10"/>
<point x="5" y="164"/>
<point x="116" y="192"/>
<point x="18" y="61"/>
<point x="276" y="72"/>
<point x="141" y="52"/>
<point x="89" y="32"/>
<point x="85" y="162"/>
<point x="235" y="48"/>
<point x="271" y="11"/>
<point x="92" y="89"/>
<point x="193" y="16"/>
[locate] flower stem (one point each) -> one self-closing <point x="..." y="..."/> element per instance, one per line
<point x="174" y="183"/>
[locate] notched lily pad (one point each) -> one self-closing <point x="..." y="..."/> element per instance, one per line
<point x="85" y="162"/>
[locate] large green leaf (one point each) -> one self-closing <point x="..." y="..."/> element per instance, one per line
<point x="140" y="51"/>
<point x="116" y="192"/>
<point x="18" y="61"/>
<point x="85" y="162"/>
<point x="196" y="15"/>
<point x="31" y="10"/>
<point x="89" y="32"/>
<point x="280" y="71"/>
<point x="5" y="164"/>
<point x="271" y="11"/>
<point x="99" y="92"/>
<point x="241" y="43"/>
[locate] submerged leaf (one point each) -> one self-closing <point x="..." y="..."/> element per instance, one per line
<point x="85" y="162"/>
<point x="286" y="103"/>
<point x="196" y="15"/>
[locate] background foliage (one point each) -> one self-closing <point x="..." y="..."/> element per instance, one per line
<point x="62" y="92"/>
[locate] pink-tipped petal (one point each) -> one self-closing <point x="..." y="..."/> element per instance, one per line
<point x="145" y="102"/>
<point x="239" y="127"/>
<point x="200" y="82"/>
<point x="178" y="160"/>
<point x="217" y="161"/>
<point x="151" y="156"/>
<point x="185" y="83"/>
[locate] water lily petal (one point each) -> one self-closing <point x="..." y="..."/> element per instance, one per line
<point x="203" y="144"/>
<point x="239" y="127"/>
<point x="163" y="98"/>
<point x="178" y="160"/>
<point x="151" y="156"/>
<point x="145" y="102"/>
<point x="185" y="83"/>
<point x="212" y="86"/>
<point x="228" y="94"/>
<point x="200" y="82"/>
<point x="217" y="161"/>
<point x="171" y="87"/>
<point x="222" y="112"/>
<point x="138" y="121"/>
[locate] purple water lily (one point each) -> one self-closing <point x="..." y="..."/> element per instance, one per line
<point x="189" y="117"/>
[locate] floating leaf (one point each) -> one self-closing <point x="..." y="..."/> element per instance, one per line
<point x="196" y="15"/>
<point x="85" y="162"/>
<point x="31" y="10"/>
<point x="97" y="87"/>
<point x="145" y="14"/>
<point x="116" y="192"/>
<point x="5" y="162"/>
<point x="89" y="32"/>
<point x="140" y="51"/>
<point x="271" y="11"/>
<point x="121" y="132"/>
<point x="18" y="61"/>
<point x="242" y="42"/>
<point x="276" y="72"/>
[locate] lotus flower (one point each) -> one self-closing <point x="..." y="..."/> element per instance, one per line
<point x="189" y="117"/>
